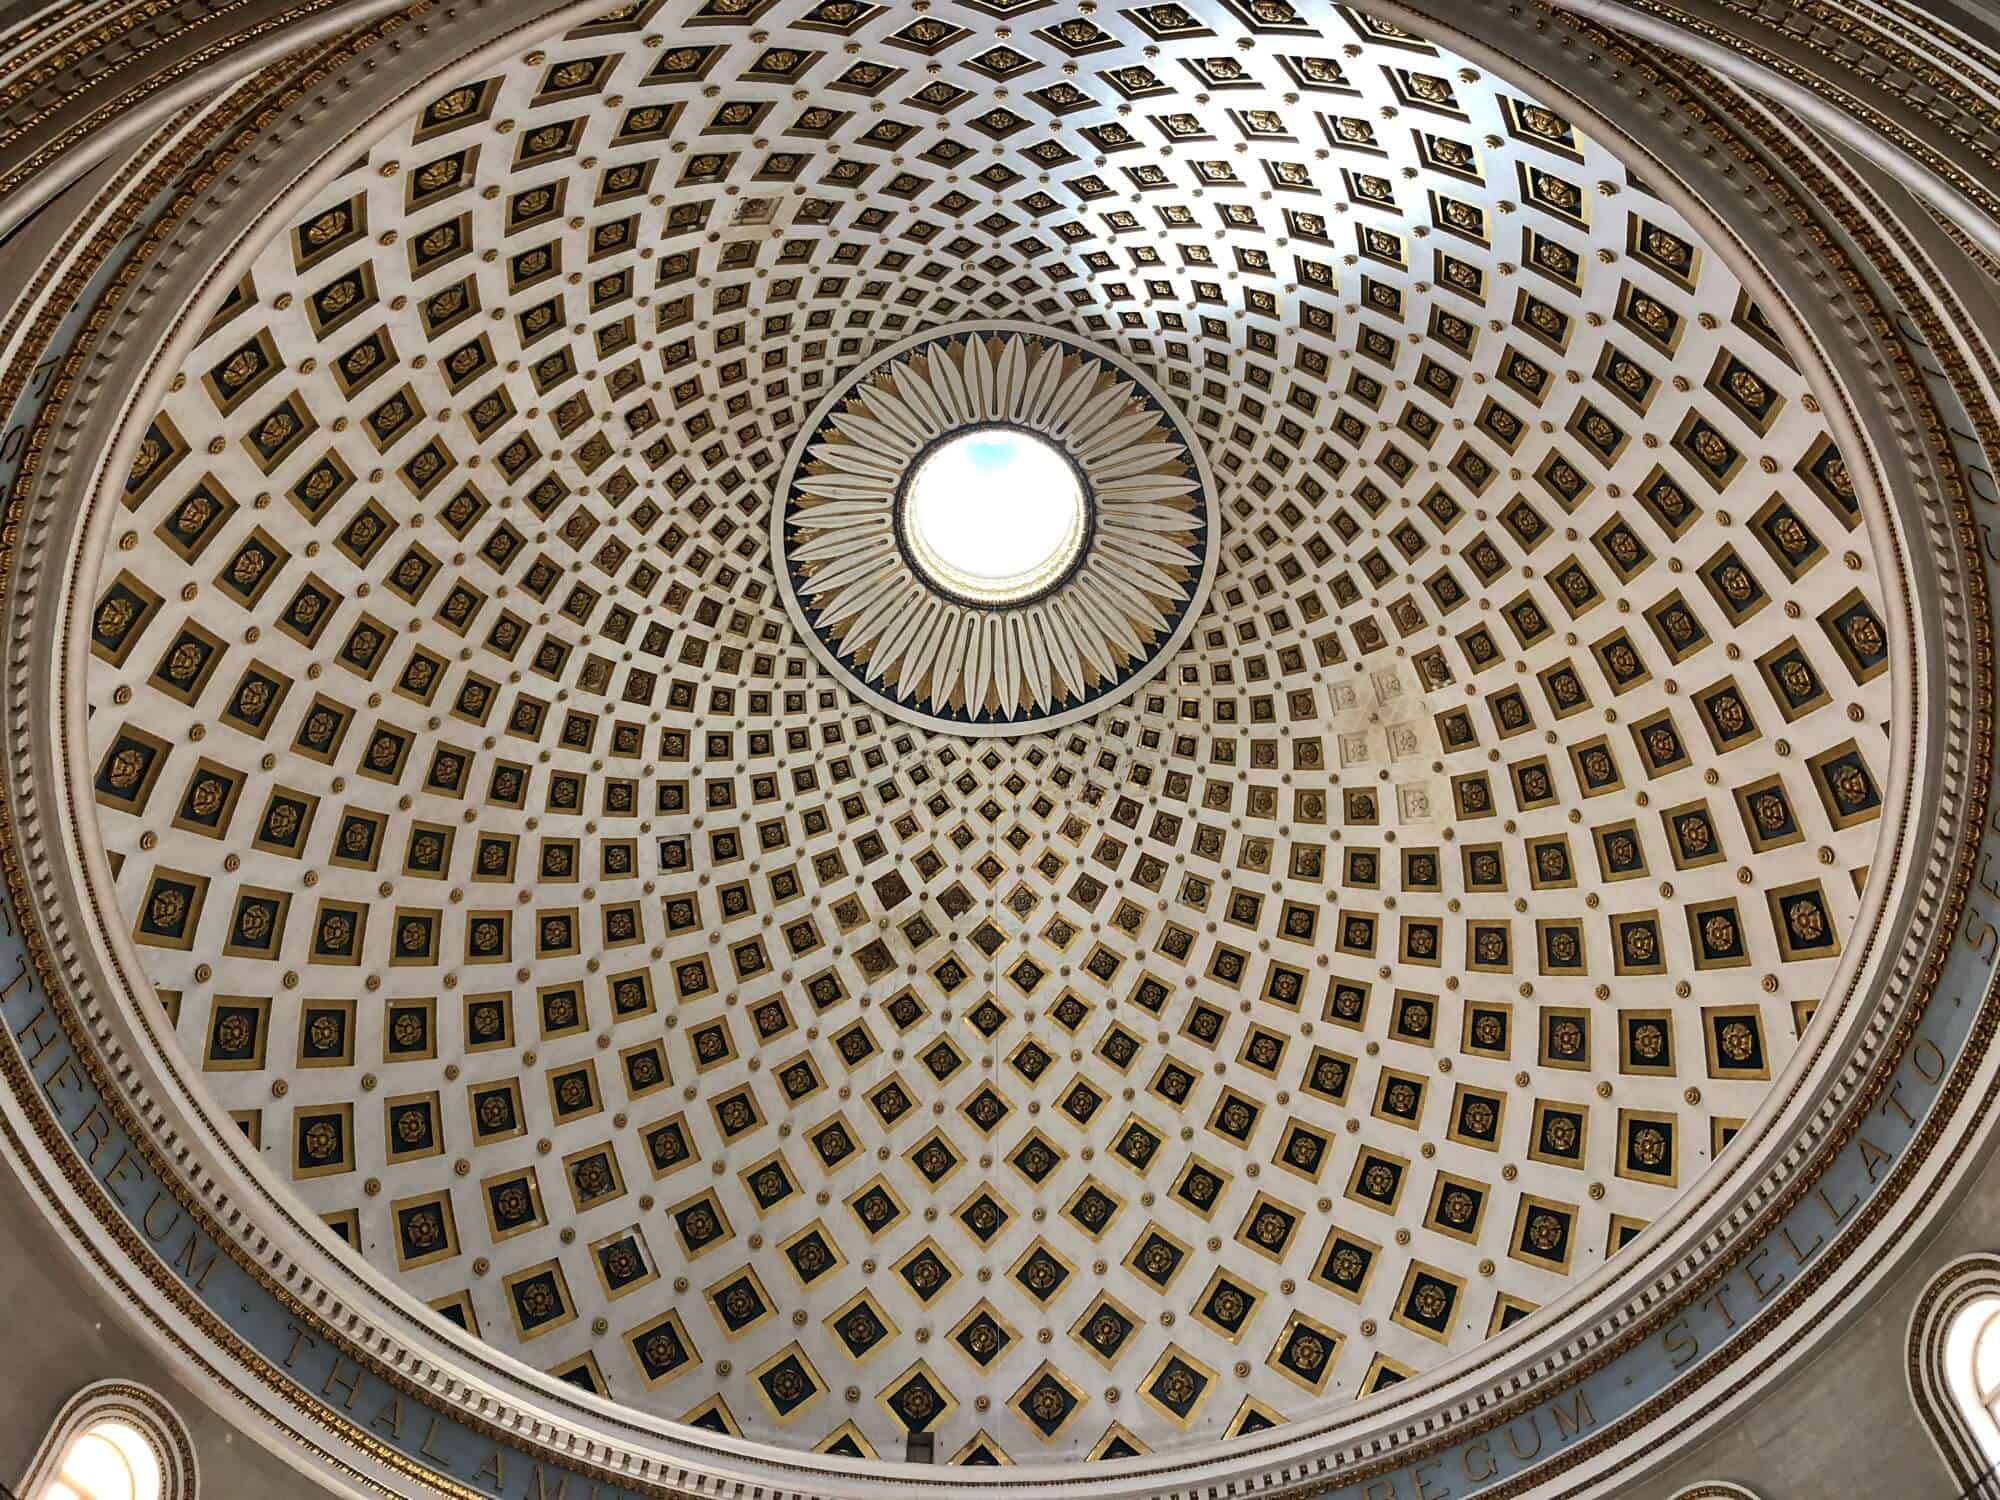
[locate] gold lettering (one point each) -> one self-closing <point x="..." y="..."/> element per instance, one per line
<point x="542" y="1490"/>
<point x="1798" y="1254"/>
<point x="196" y="1275"/>
<point x="1579" y="1416"/>
<point x="1890" y="1101"/>
<point x="1685" y="1340"/>
<point x="425" y="1447"/>
<point x="300" y="1340"/>
<point x="66" y="1075"/>
<point x="32" y="1032"/>
<point x="1872" y="1156"/>
<point x="1381" y="1489"/>
<point x="20" y="978"/>
<point x="1827" y="1203"/>
<point x="1534" y="1428"/>
<point x="1757" y="1283"/>
<point x="97" y="1125"/>
<point x="146" y="1223"/>
<point x="1481" y="1449"/>
<point x="1721" y="1308"/>
<point x="1916" y="1059"/>
<point x="390" y="1418"/>
<point x="1424" y="1490"/>
<point x="336" y="1381"/>
<point x="491" y="1466"/>
<point x="115" y="1176"/>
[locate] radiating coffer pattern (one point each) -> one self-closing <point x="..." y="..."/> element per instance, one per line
<point x="612" y="979"/>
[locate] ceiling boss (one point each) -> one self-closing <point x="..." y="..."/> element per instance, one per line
<point x="992" y="530"/>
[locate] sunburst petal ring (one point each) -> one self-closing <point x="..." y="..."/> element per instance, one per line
<point x="1120" y="596"/>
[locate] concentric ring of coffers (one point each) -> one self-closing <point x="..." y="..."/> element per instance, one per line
<point x="1425" y="927"/>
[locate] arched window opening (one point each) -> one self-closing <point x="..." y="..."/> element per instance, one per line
<point x="108" y="1460"/>
<point x="1955" y="1368"/>
<point x="1972" y="1367"/>
<point x="113" y="1441"/>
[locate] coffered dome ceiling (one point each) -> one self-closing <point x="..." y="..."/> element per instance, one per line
<point x="660" y="985"/>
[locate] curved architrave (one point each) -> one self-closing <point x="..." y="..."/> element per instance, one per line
<point x="137" y="1406"/>
<point x="1473" y="1371"/>
<point x="1517" y="1341"/>
<point x="1840" y="117"/>
<point x="122" y="124"/>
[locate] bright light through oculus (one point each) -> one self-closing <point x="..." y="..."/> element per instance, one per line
<point x="994" y="515"/>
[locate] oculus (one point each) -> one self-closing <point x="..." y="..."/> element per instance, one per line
<point x="993" y="515"/>
<point x="993" y="530"/>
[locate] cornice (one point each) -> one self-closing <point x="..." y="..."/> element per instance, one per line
<point x="1870" y="75"/>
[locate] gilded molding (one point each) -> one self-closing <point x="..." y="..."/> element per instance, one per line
<point x="1966" y="1279"/>
<point x="160" y="82"/>
<point x="148" y="1415"/>
<point x="1974" y="188"/>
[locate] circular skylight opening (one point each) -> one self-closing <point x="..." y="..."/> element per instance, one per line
<point x="994" y="515"/>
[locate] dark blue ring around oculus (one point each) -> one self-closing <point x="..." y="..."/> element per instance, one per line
<point x="944" y="715"/>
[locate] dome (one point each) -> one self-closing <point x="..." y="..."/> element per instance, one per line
<point x="658" y="1002"/>
<point x="1043" y="736"/>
